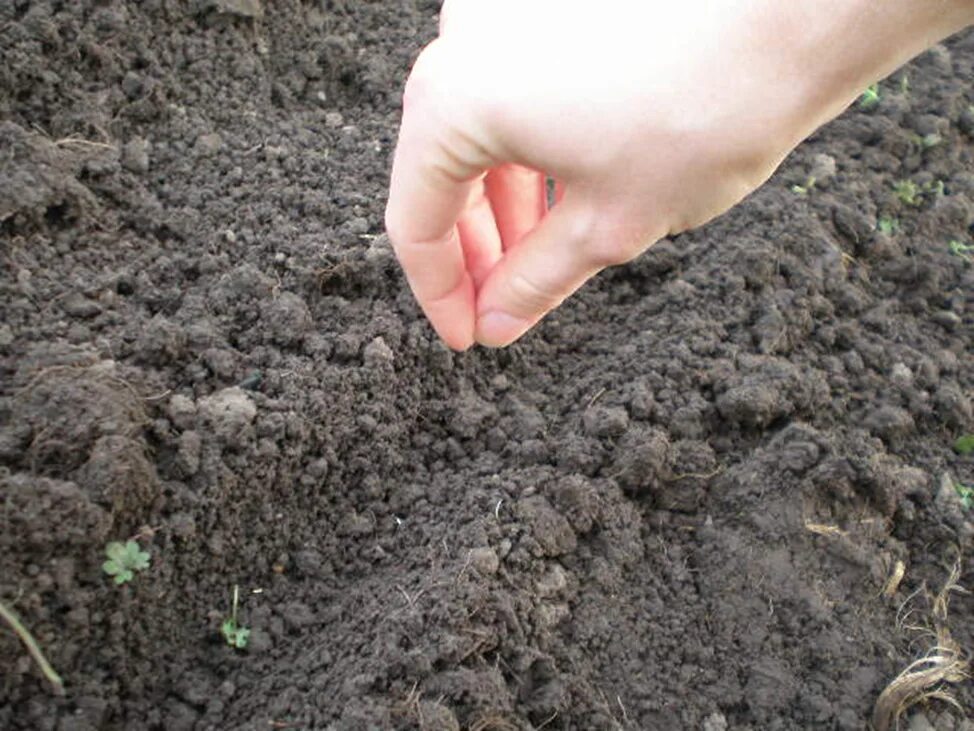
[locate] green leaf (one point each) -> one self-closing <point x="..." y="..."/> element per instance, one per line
<point x="135" y="557"/>
<point x="870" y="97"/>
<point x="960" y="249"/>
<point x="123" y="560"/>
<point x="964" y="444"/>
<point x="141" y="562"/>
<point x="115" y="551"/>
<point x="235" y="636"/>
<point x="907" y="191"/>
<point x="966" y="495"/>
<point x="124" y="576"/>
<point x="888" y="226"/>
<point x="241" y="638"/>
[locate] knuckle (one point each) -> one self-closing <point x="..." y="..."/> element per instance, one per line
<point x="595" y="236"/>
<point x="614" y="247"/>
<point x="531" y="295"/>
<point x="610" y="251"/>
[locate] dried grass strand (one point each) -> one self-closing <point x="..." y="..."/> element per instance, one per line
<point x="32" y="647"/>
<point x="925" y="678"/>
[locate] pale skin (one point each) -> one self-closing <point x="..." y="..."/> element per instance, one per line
<point x="652" y="116"/>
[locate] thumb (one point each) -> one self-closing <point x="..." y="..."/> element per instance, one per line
<point x="566" y="249"/>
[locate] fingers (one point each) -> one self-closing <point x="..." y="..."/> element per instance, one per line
<point x="479" y="237"/>
<point x="434" y="172"/>
<point x="550" y="263"/>
<point x="420" y="220"/>
<point x="559" y="191"/>
<point x="519" y="200"/>
<point x="442" y="286"/>
<point x="574" y="241"/>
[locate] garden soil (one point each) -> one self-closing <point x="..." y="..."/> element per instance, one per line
<point x="715" y="490"/>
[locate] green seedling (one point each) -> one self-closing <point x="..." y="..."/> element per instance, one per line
<point x="936" y="188"/>
<point x="888" y="226"/>
<point x="124" y="560"/>
<point x="235" y="635"/>
<point x="905" y="84"/>
<point x="966" y="495"/>
<point x="962" y="250"/>
<point x="925" y="142"/>
<point x="964" y="444"/>
<point x="913" y="195"/>
<point x="870" y="97"/>
<point x="805" y="189"/>
<point x="907" y="191"/>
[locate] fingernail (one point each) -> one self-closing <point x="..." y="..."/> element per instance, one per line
<point x="496" y="329"/>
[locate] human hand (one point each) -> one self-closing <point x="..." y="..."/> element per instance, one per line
<point x="653" y="117"/>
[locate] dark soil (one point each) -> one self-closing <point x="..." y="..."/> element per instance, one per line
<point x="675" y="505"/>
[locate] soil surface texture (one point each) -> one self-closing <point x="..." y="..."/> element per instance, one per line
<point x="716" y="490"/>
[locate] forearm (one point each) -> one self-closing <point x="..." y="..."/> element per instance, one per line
<point x="849" y="44"/>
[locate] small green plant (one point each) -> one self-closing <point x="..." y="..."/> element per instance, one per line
<point x="966" y="495"/>
<point x="870" y="97"/>
<point x="962" y="250"/>
<point x="925" y="142"/>
<point x="235" y="635"/>
<point x="964" y="444"/>
<point x="888" y="226"/>
<point x="805" y="189"/>
<point x="905" y="84"/>
<point x="907" y="191"/>
<point x="124" y="560"/>
<point x="935" y="188"/>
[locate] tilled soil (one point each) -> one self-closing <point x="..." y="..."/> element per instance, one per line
<point x="680" y="503"/>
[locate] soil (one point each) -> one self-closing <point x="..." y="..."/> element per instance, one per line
<point x="678" y="504"/>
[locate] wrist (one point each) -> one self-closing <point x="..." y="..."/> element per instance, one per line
<point x="846" y="45"/>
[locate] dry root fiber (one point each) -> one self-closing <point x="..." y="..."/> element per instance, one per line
<point x="926" y="678"/>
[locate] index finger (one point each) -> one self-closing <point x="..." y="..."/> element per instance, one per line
<point x="433" y="173"/>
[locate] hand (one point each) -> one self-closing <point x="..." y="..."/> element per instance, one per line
<point x="653" y="117"/>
